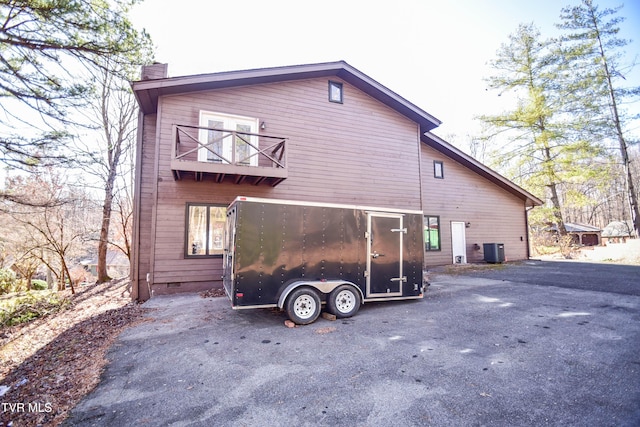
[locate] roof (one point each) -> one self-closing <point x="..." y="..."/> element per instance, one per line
<point x="580" y="228"/>
<point x="459" y="156"/>
<point x="148" y="91"/>
<point x="574" y="228"/>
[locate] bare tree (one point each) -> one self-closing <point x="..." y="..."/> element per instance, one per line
<point x="117" y="110"/>
<point x="53" y="227"/>
<point x="124" y="220"/>
<point x="106" y="151"/>
<point x="27" y="263"/>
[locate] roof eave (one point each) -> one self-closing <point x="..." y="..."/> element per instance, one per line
<point x="148" y="91"/>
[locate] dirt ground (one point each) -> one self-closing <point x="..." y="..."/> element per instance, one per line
<point x="49" y="364"/>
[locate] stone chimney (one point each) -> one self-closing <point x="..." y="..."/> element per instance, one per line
<point x="154" y="71"/>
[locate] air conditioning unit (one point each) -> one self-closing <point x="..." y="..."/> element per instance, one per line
<point x="493" y="252"/>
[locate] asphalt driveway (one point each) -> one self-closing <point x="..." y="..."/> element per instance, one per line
<point x="492" y="348"/>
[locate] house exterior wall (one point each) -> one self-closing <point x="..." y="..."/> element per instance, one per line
<point x="357" y="152"/>
<point x="361" y="151"/>
<point x="493" y="214"/>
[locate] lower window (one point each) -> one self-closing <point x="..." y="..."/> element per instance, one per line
<point x="431" y="233"/>
<point x="205" y="230"/>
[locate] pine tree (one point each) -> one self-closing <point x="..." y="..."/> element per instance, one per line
<point x="592" y="50"/>
<point x="537" y="137"/>
<point x="45" y="45"/>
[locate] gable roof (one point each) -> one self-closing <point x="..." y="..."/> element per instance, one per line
<point x="580" y="228"/>
<point x="148" y="91"/>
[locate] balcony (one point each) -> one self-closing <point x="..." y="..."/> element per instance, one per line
<point x="221" y="155"/>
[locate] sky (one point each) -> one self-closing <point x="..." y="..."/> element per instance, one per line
<point x="432" y="53"/>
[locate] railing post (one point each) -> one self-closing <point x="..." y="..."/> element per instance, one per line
<point x="233" y="148"/>
<point x="175" y="141"/>
<point x="284" y="153"/>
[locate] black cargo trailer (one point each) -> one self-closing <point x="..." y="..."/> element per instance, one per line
<point x="297" y="256"/>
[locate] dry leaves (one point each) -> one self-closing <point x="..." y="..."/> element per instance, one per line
<point x="51" y="363"/>
<point x="213" y="293"/>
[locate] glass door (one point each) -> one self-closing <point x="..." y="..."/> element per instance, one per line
<point x="219" y="142"/>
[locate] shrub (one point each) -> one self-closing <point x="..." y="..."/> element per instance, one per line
<point x="7" y="280"/>
<point x="39" y="285"/>
<point x="29" y="305"/>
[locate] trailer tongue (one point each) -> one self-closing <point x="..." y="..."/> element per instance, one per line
<point x="297" y="256"/>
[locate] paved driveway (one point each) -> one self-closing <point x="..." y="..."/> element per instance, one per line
<point x="589" y="276"/>
<point x="475" y="351"/>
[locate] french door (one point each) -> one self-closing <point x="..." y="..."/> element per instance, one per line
<point x="218" y="145"/>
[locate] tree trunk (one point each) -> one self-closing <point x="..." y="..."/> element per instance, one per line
<point x="629" y="184"/>
<point x="557" y="213"/>
<point x="631" y="197"/>
<point x="65" y="272"/>
<point x="553" y="187"/>
<point x="103" y="245"/>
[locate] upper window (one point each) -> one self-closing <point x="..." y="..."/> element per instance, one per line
<point x="205" y="230"/>
<point x="431" y="233"/>
<point x="220" y="133"/>
<point x="335" y="92"/>
<point x="438" y="169"/>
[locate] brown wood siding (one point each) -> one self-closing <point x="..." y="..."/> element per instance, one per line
<point x="495" y="216"/>
<point x="357" y="152"/>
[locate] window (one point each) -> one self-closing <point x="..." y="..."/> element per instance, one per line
<point x="214" y="140"/>
<point x="219" y="144"/>
<point x="431" y="233"/>
<point x="438" y="169"/>
<point x="205" y="230"/>
<point x="335" y="92"/>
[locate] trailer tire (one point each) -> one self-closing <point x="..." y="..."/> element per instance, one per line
<point x="343" y="301"/>
<point x="303" y="306"/>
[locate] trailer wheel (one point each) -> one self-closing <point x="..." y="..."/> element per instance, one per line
<point x="343" y="301"/>
<point x="303" y="306"/>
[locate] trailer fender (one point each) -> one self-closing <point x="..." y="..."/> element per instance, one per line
<point x="323" y="286"/>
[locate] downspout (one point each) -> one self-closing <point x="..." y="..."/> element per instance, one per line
<point x="420" y="166"/>
<point x="425" y="277"/>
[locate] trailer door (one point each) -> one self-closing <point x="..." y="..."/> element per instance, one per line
<point x="385" y="233"/>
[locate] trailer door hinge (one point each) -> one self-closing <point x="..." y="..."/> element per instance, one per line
<point x="366" y="234"/>
<point x="366" y="273"/>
